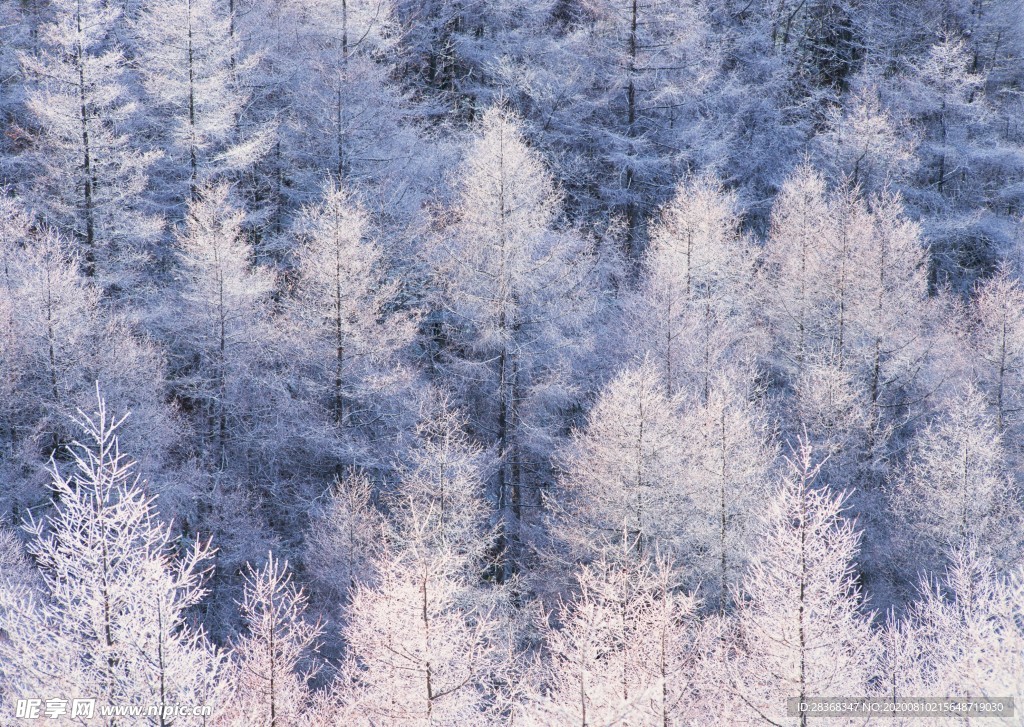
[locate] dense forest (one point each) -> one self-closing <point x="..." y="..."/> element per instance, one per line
<point x="527" y="362"/>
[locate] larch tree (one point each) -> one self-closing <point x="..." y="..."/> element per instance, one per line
<point x="887" y="315"/>
<point x="998" y="338"/>
<point x="624" y="475"/>
<point x="57" y="340"/>
<point x="945" y="96"/>
<point x="274" y="659"/>
<point x="514" y="293"/>
<point x="864" y="145"/>
<point x="421" y="648"/>
<point x="87" y="177"/>
<point x="829" y="405"/>
<point x="800" y="629"/>
<point x="621" y="93"/>
<point x="344" y="538"/>
<point x="444" y="484"/>
<point x="796" y="270"/>
<point x="902" y="660"/>
<point x="969" y="626"/>
<point x="622" y="654"/>
<point x="957" y="487"/>
<point x="350" y="334"/>
<point x="325" y="86"/>
<point x="112" y="622"/>
<point x="847" y="290"/>
<point x="190" y="62"/>
<point x="691" y="314"/>
<point x="727" y="471"/>
<point x="224" y="296"/>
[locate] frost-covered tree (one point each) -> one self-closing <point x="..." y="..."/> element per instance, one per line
<point x="223" y="302"/>
<point x="112" y="622"/>
<point x="727" y="473"/>
<point x="190" y="62"/>
<point x="617" y="91"/>
<point x="350" y="337"/>
<point x="799" y="627"/>
<point x="323" y="83"/>
<point x="622" y="653"/>
<point x="444" y="485"/>
<point x="998" y="338"/>
<point x="86" y="176"/>
<point x="624" y="475"/>
<point x="691" y="315"/>
<point x="344" y="537"/>
<point x="830" y="407"/>
<point x="797" y="269"/>
<point x="273" y="659"/>
<point x="969" y="626"/>
<point x="863" y="144"/>
<point x="421" y="650"/>
<point x="847" y="289"/>
<point x="514" y="294"/>
<point x="902" y="660"/>
<point x="945" y="95"/>
<point x="887" y="315"/>
<point x="957" y="487"/>
<point x="56" y="341"/>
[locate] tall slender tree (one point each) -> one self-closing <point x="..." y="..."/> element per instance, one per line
<point x="112" y="623"/>
<point x="273" y="659"/>
<point x="191" y="62"/>
<point x="514" y="291"/>
<point x="622" y="653"/>
<point x="86" y="174"/>
<point x="624" y="475"/>
<point x="957" y="487"/>
<point x="800" y="628"/>
<point x="225" y="298"/>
